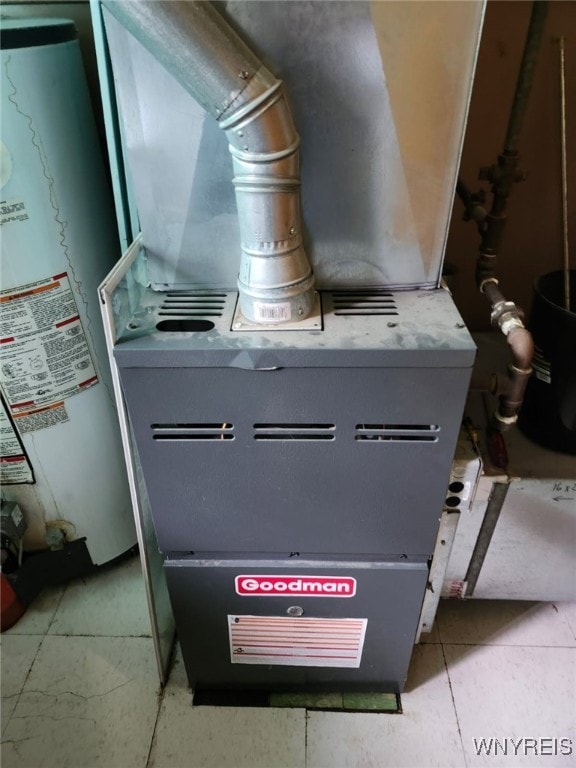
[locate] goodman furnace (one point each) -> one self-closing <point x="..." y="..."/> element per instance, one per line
<point x="296" y="479"/>
<point x="294" y="382"/>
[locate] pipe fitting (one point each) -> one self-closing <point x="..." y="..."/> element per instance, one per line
<point x="506" y="316"/>
<point x="519" y="371"/>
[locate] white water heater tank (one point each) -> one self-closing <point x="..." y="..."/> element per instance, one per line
<point x="61" y="458"/>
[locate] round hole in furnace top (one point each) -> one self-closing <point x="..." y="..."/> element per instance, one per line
<point x="452" y="501"/>
<point x="456" y="487"/>
<point x="188" y="325"/>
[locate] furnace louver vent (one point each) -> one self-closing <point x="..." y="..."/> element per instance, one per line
<point x="358" y="303"/>
<point x="412" y="433"/>
<point x="187" y="304"/>
<point x="294" y="431"/>
<point x="199" y="431"/>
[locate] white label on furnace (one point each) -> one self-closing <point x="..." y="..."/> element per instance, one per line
<point x="45" y="355"/>
<point x="272" y="313"/>
<point x="296" y="641"/>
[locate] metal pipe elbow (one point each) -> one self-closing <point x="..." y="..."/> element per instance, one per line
<point x="202" y="51"/>
<point x="275" y="281"/>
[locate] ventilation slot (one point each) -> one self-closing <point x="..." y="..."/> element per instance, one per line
<point x="294" y="431"/>
<point x="364" y="303"/>
<point x="183" y="304"/>
<point x="398" y="433"/>
<point x="212" y="431"/>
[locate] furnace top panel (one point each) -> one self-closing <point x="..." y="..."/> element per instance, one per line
<point x="371" y="328"/>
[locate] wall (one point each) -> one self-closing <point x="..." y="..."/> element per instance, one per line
<point x="533" y="240"/>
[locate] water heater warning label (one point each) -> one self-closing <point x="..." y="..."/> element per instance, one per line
<point x="14" y="464"/>
<point x="296" y="642"/>
<point x="45" y="355"/>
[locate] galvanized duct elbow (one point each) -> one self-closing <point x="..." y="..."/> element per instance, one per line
<point x="194" y="43"/>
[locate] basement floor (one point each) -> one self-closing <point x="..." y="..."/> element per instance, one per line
<point x="493" y="685"/>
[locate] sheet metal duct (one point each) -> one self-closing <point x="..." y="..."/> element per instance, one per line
<point x="196" y="45"/>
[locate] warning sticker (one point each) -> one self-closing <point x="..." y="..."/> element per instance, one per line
<point x="296" y="642"/>
<point x="14" y="464"/>
<point x="45" y="356"/>
<point x="13" y="209"/>
<point x="40" y="418"/>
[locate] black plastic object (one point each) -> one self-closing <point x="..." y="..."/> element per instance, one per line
<point x="548" y="416"/>
<point x="51" y="567"/>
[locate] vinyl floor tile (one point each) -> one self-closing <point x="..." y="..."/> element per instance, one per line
<point x="224" y="737"/>
<point x="503" y="622"/>
<point x="515" y="693"/>
<point x="17" y="656"/>
<point x="40" y="614"/>
<point x="425" y="735"/>
<point x="110" y="603"/>
<point x="89" y="702"/>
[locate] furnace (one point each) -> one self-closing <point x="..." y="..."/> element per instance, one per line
<point x="285" y="466"/>
<point x="293" y="438"/>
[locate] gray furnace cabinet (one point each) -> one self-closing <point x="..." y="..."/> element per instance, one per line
<point x="296" y="479"/>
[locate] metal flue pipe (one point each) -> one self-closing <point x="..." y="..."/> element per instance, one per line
<point x="197" y="46"/>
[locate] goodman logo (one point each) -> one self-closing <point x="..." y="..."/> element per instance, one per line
<point x="307" y="586"/>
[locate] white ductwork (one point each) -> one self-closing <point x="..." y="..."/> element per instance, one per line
<point x="196" y="45"/>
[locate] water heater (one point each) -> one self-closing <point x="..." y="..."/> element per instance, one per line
<point x="61" y="451"/>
